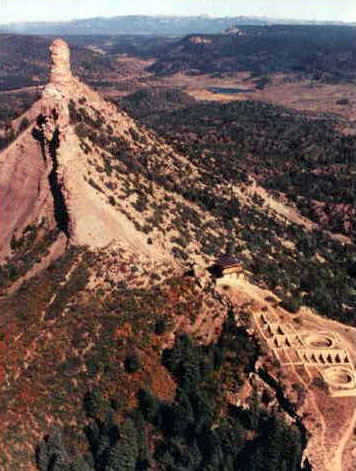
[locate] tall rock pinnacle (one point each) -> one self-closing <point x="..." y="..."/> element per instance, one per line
<point x="61" y="83"/>
<point x="60" y="62"/>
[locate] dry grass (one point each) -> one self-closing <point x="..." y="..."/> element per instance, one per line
<point x="303" y="95"/>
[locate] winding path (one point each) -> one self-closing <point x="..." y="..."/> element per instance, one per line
<point x="337" y="460"/>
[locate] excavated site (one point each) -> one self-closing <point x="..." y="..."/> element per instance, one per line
<point x="316" y="353"/>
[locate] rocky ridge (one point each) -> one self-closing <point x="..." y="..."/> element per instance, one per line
<point x="48" y="168"/>
<point x="100" y="178"/>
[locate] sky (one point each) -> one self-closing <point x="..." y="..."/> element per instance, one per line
<point x="61" y="10"/>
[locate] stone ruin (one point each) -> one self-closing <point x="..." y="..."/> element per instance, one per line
<point x="320" y="353"/>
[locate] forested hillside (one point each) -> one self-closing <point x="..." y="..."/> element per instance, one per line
<point x="326" y="53"/>
<point x="305" y="162"/>
<point x="126" y="344"/>
<point x="198" y="430"/>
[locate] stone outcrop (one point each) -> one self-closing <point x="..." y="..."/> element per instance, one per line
<point x="61" y="83"/>
<point x="27" y="166"/>
<point x="60" y="72"/>
<point x="24" y="189"/>
<point x="64" y="188"/>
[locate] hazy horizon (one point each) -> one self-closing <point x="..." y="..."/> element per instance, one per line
<point x="16" y="11"/>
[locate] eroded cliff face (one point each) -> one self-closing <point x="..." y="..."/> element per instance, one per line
<point x="47" y="174"/>
<point x="94" y="165"/>
<point x="26" y="198"/>
<point x="30" y="188"/>
<point x="56" y="94"/>
<point x="81" y="211"/>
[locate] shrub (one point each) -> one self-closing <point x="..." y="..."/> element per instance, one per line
<point x="112" y="200"/>
<point x="131" y="363"/>
<point x="24" y="124"/>
<point x="160" y="327"/>
<point x="291" y="304"/>
<point x="95" y="185"/>
<point x="94" y="403"/>
<point x="321" y="384"/>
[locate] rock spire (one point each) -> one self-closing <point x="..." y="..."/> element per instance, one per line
<point x="60" y="72"/>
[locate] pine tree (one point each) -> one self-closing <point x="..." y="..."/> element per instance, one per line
<point x="80" y="465"/>
<point x="257" y="461"/>
<point x="149" y="405"/>
<point x="52" y="455"/>
<point x="254" y="403"/>
<point x="125" y="454"/>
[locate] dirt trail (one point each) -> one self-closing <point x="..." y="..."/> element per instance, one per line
<point x="337" y="462"/>
<point x="315" y="442"/>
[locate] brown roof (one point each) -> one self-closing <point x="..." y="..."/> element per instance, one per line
<point x="225" y="261"/>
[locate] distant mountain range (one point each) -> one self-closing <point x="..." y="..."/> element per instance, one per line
<point x="152" y="25"/>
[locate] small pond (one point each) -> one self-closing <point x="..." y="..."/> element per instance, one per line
<point x="230" y="90"/>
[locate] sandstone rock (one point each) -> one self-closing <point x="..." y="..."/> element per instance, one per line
<point x="24" y="189"/>
<point x="51" y="172"/>
<point x="61" y="82"/>
<point x="60" y="72"/>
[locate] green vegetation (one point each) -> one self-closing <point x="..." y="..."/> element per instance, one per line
<point x="198" y="430"/>
<point x="27" y="250"/>
<point x="229" y="143"/>
<point x="25" y="62"/>
<point x="323" y="53"/>
<point x="308" y="159"/>
<point x="304" y="159"/>
<point x="144" y="408"/>
<point x="131" y="364"/>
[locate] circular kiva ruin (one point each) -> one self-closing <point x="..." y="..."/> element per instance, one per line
<point x="339" y="377"/>
<point x="319" y="341"/>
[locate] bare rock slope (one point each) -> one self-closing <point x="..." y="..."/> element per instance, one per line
<point x="51" y="174"/>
